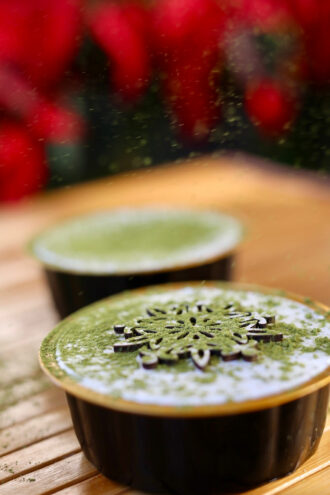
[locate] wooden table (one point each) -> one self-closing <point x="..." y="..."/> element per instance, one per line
<point x="288" y="245"/>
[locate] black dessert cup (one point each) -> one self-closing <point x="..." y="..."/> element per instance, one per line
<point x="73" y="287"/>
<point x="204" y="449"/>
<point x="200" y="455"/>
<point x="72" y="291"/>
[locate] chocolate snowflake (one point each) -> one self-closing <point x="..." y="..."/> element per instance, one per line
<point x="198" y="332"/>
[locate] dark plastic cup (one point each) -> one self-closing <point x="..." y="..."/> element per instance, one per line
<point x="73" y="289"/>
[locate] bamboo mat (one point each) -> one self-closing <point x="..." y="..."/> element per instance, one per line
<point x="288" y="246"/>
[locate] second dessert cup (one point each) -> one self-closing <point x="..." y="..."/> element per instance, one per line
<point x="202" y="246"/>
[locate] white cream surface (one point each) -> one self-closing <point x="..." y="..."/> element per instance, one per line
<point x="221" y="382"/>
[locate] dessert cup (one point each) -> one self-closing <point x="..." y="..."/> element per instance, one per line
<point x="164" y="416"/>
<point x="93" y="256"/>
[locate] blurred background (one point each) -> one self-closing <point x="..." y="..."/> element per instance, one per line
<point x="94" y="88"/>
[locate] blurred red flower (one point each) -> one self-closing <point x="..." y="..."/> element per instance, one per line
<point x="186" y="42"/>
<point x="313" y="20"/>
<point x="23" y="168"/>
<point x="270" y="106"/>
<point x="51" y="122"/>
<point x="38" y="40"/>
<point x="39" y="37"/>
<point x="121" y="30"/>
<point x="187" y="35"/>
<point x="262" y="15"/>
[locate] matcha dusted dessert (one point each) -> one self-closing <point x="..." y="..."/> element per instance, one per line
<point x="195" y="387"/>
<point x="190" y="346"/>
<point x="136" y="240"/>
<point x="98" y="254"/>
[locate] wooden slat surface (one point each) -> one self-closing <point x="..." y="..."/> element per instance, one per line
<point x="288" y="245"/>
<point x="39" y="454"/>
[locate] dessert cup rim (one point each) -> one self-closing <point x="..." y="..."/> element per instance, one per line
<point x="144" y="271"/>
<point x="230" y="408"/>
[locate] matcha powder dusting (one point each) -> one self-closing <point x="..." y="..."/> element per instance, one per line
<point x="190" y="345"/>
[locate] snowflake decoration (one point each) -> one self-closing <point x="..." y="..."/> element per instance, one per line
<point x="164" y="336"/>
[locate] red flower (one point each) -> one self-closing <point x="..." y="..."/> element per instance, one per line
<point x="265" y="15"/>
<point x="306" y="12"/>
<point x="176" y="20"/>
<point x="191" y="92"/>
<point x="269" y="106"/>
<point x="54" y="123"/>
<point x="22" y="163"/>
<point x="39" y="37"/>
<point x="45" y="119"/>
<point x="187" y="35"/>
<point x="121" y="31"/>
<point x="313" y="17"/>
<point x="13" y="30"/>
